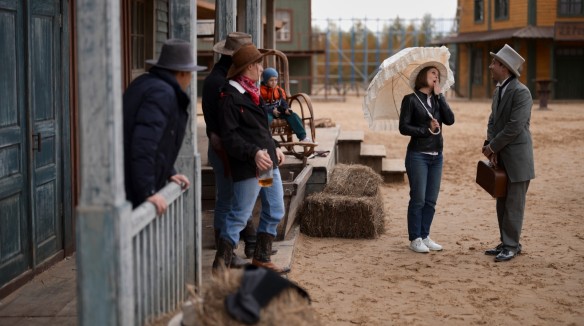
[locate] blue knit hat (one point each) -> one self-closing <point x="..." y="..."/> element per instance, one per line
<point x="268" y="73"/>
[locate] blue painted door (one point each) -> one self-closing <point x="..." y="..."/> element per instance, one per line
<point x="31" y="221"/>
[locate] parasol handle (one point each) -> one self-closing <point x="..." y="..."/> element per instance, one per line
<point x="429" y="114"/>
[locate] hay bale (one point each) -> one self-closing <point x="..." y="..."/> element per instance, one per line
<point x="288" y="308"/>
<point x="353" y="180"/>
<point x="330" y="215"/>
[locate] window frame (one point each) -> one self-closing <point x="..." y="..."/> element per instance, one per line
<point x="286" y="26"/>
<point x="479" y="13"/>
<point x="137" y="60"/>
<point x="498" y="9"/>
<point x="570" y="3"/>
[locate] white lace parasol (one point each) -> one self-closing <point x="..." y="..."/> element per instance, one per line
<point x="394" y="80"/>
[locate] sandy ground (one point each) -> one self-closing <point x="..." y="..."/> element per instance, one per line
<point x="382" y="282"/>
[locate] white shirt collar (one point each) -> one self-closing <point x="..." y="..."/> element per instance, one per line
<point x="237" y="86"/>
<point x="503" y="81"/>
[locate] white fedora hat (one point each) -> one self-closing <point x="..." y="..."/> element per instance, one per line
<point x="511" y="59"/>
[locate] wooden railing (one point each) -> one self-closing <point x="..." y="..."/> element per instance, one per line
<point x="159" y="256"/>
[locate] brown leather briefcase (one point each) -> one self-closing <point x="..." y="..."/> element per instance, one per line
<point x="492" y="179"/>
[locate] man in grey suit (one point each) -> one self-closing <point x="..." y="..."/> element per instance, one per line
<point x="509" y="145"/>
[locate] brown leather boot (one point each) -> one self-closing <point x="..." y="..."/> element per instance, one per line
<point x="263" y="252"/>
<point x="223" y="256"/>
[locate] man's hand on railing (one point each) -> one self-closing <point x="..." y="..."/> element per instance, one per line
<point x="159" y="203"/>
<point x="182" y="181"/>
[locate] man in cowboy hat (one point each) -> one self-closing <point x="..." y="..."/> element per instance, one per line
<point x="155" y="118"/>
<point x="215" y="153"/>
<point x="509" y="145"/>
<point x="244" y="133"/>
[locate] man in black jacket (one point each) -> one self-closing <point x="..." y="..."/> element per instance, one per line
<point x="155" y="119"/>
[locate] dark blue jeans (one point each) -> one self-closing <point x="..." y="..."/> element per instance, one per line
<point x="424" y="174"/>
<point x="223" y="189"/>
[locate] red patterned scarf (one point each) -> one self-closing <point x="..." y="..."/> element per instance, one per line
<point x="250" y="87"/>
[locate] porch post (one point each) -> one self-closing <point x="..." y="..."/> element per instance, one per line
<point x="225" y="16"/>
<point x="183" y="26"/>
<point x="104" y="270"/>
<point x="253" y="21"/>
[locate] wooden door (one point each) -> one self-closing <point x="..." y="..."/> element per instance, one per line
<point x="31" y="219"/>
<point x="14" y="177"/>
<point x="570" y="69"/>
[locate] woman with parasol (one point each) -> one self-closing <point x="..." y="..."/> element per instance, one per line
<point x="422" y="114"/>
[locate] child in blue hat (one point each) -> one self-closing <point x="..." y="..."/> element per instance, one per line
<point x="276" y="105"/>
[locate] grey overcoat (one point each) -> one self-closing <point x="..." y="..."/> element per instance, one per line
<point x="508" y="131"/>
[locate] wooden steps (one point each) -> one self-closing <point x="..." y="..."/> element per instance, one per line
<point x="372" y="156"/>
<point x="351" y="149"/>
<point x="393" y="170"/>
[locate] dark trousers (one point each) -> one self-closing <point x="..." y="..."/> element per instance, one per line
<point x="510" y="212"/>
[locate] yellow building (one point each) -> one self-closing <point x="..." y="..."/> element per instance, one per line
<point x="549" y="34"/>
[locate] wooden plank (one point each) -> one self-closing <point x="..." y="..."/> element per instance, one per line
<point x="393" y="170"/>
<point x="351" y="136"/>
<point x="373" y="150"/>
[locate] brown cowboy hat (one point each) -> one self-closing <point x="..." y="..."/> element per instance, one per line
<point x="233" y="42"/>
<point x="244" y="56"/>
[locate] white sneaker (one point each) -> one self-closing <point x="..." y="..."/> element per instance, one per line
<point x="418" y="246"/>
<point x="431" y="244"/>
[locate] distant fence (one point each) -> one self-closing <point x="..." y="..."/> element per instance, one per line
<point x="351" y="50"/>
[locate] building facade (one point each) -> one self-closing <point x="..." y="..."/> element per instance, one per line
<point x="293" y="36"/>
<point x="41" y="143"/>
<point x="549" y="34"/>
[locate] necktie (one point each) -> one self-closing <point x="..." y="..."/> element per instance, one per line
<point x="502" y="87"/>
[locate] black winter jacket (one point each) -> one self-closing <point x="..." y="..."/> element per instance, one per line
<point x="414" y="121"/>
<point x="155" y="119"/>
<point x="244" y="131"/>
<point x="210" y="98"/>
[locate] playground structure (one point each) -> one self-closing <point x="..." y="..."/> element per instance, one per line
<point x="349" y="51"/>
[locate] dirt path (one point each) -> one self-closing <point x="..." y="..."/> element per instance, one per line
<point x="382" y="282"/>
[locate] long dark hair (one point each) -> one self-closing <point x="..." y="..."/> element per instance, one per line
<point x="422" y="80"/>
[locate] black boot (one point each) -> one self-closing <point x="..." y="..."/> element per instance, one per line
<point x="223" y="256"/>
<point x="236" y="261"/>
<point x="249" y="237"/>
<point x="261" y="256"/>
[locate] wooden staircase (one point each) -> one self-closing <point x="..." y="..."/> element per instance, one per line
<point x="352" y="150"/>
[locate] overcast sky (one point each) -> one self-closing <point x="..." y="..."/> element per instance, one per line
<point x="385" y="9"/>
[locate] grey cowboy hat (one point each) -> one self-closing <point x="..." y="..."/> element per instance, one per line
<point x="232" y="43"/>
<point x="176" y="55"/>
<point x="510" y="59"/>
<point x="244" y="56"/>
